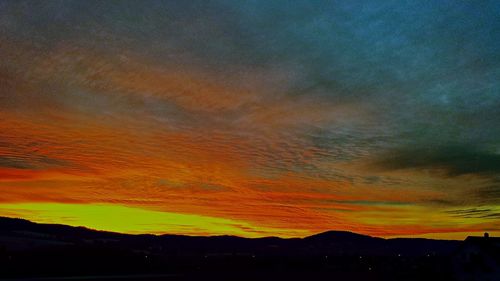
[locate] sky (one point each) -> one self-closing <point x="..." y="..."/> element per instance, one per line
<point x="252" y="118"/>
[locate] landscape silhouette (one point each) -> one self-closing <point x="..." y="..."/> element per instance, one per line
<point x="29" y="251"/>
<point x="250" y="140"/>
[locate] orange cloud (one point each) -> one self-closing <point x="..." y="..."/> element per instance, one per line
<point x="88" y="128"/>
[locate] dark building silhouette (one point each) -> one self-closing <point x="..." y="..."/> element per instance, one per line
<point x="478" y="259"/>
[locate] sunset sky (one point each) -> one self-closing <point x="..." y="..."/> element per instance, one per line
<point x="252" y="118"/>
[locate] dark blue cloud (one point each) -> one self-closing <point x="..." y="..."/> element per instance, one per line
<point x="451" y="160"/>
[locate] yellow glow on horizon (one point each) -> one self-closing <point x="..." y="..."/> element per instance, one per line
<point x="124" y="219"/>
<point x="133" y="220"/>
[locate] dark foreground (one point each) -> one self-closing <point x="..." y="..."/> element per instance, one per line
<point x="30" y="251"/>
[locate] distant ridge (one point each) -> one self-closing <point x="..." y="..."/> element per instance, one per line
<point x="32" y="249"/>
<point x="328" y="241"/>
<point x="8" y="223"/>
<point x="336" y="234"/>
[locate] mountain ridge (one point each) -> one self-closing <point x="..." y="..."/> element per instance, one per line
<point x="11" y="221"/>
<point x="61" y="250"/>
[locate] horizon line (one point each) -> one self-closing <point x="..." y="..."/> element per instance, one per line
<point x="237" y="236"/>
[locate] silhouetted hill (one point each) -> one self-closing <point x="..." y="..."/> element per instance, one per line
<point x="343" y="235"/>
<point x="31" y="249"/>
